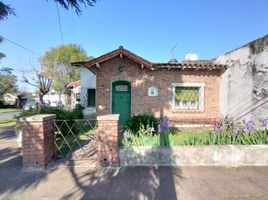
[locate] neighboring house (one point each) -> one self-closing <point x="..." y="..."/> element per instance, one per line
<point x="52" y="98"/>
<point x="84" y="92"/>
<point x="75" y="88"/>
<point x="244" y="85"/>
<point x="187" y="92"/>
<point x="10" y="99"/>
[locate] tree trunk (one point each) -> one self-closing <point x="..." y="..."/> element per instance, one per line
<point x="41" y="100"/>
<point x="60" y="96"/>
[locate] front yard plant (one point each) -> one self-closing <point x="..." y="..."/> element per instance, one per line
<point x="231" y="132"/>
<point x="226" y="132"/>
<point x="135" y="123"/>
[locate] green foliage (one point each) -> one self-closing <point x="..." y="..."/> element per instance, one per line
<point x="7" y="81"/>
<point x="146" y="138"/>
<point x="57" y="64"/>
<point x="228" y="138"/>
<point x="135" y="123"/>
<point x="7" y="10"/>
<point x="1" y="40"/>
<point x="68" y="115"/>
<point x="193" y="139"/>
<point x="76" y="113"/>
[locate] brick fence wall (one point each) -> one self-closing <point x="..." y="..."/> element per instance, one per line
<point x="38" y="146"/>
<point x="108" y="140"/>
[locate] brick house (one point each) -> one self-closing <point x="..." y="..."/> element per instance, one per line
<point x="187" y="92"/>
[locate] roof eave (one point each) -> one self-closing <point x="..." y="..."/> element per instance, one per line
<point x="112" y="54"/>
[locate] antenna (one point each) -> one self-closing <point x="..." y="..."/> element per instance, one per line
<point x="172" y="50"/>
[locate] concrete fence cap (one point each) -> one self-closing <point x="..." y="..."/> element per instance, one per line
<point x="38" y="118"/>
<point x="111" y="117"/>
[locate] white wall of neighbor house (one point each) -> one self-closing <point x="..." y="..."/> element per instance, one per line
<point x="53" y="96"/>
<point x="88" y="81"/>
<point x="244" y="85"/>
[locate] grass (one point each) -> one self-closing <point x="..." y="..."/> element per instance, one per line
<point x="7" y="122"/>
<point x="169" y="138"/>
<point x="181" y="135"/>
<point x="7" y="110"/>
<point x="72" y="141"/>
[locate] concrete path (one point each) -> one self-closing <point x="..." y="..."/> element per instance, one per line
<point x="69" y="180"/>
<point x="8" y="115"/>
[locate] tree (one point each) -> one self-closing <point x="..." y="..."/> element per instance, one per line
<point x="1" y="54"/>
<point x="7" y="81"/>
<point x="43" y="84"/>
<point x="57" y="64"/>
<point x="6" y="10"/>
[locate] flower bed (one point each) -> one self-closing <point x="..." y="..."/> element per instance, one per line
<point x="227" y="132"/>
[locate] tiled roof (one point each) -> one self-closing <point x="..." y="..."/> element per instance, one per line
<point x="73" y="84"/>
<point x="191" y="64"/>
<point x="195" y="64"/>
<point x="118" y="52"/>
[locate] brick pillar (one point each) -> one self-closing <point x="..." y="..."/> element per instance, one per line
<point x="38" y="146"/>
<point x="108" y="140"/>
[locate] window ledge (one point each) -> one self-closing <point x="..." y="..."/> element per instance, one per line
<point x="177" y="110"/>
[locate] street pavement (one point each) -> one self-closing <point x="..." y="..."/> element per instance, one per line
<point x="8" y="115"/>
<point x="69" y="180"/>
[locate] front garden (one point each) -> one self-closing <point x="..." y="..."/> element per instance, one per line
<point x="145" y="130"/>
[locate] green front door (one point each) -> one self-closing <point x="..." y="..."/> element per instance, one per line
<point x="121" y="98"/>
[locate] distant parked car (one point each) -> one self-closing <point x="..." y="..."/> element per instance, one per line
<point x="32" y="103"/>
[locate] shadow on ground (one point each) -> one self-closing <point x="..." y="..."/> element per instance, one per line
<point x="125" y="183"/>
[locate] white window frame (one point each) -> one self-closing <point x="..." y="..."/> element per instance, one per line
<point x="201" y="95"/>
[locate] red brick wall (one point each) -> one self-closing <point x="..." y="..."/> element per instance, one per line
<point x="38" y="146"/>
<point x="141" y="79"/>
<point x="108" y="140"/>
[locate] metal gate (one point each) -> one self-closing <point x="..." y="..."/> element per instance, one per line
<point x="76" y="139"/>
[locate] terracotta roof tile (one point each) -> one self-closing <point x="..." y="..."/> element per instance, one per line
<point x="194" y="64"/>
<point x="74" y="84"/>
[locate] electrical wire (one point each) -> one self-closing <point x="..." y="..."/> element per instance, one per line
<point x="21" y="46"/>
<point x="58" y="12"/>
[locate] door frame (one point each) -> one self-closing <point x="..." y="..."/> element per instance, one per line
<point x="111" y="95"/>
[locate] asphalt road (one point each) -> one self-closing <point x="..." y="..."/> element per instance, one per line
<point x="8" y="115"/>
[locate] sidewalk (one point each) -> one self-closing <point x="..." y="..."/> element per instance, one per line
<point x="80" y="181"/>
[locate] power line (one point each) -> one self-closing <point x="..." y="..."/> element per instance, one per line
<point x="58" y="12"/>
<point x="21" y="46"/>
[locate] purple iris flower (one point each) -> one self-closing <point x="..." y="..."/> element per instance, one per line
<point x="126" y="135"/>
<point x="237" y="130"/>
<point x="264" y="122"/>
<point x="218" y="128"/>
<point x="249" y="126"/>
<point x="163" y="124"/>
<point x="226" y="122"/>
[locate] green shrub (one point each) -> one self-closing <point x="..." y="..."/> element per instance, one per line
<point x="27" y="113"/>
<point x="134" y="123"/>
<point x="2" y="102"/>
<point x="61" y="114"/>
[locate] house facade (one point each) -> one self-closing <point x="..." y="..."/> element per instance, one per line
<point x="126" y="84"/>
<point x="75" y="88"/>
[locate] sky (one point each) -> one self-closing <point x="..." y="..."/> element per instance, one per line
<point x="149" y="28"/>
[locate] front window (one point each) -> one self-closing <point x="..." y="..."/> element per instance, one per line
<point x="188" y="96"/>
